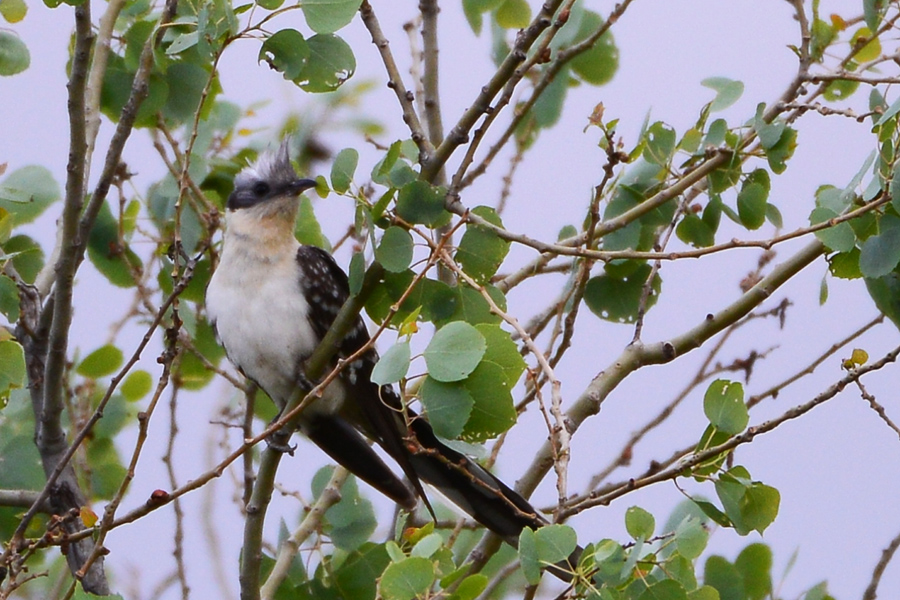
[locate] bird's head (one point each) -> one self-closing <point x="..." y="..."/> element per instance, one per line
<point x="269" y="187"/>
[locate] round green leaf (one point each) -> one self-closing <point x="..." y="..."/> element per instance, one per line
<point x="598" y="64"/>
<point x="502" y="351"/>
<point x="118" y="264"/>
<point x="102" y="361"/>
<point x="759" y="506"/>
<point x="454" y="351"/>
<point x="136" y="385"/>
<point x="471" y="587"/>
<point x="660" y="144"/>
<point x="667" y="589"/>
<point x="392" y="367"/>
<point x="331" y="63"/>
<point x="14" y="55"/>
<point x="755" y="566"/>
<point x="9" y="299"/>
<point x="724" y="406"/>
<point x="481" y="252"/>
<point x="419" y="202"/>
<point x="287" y="52"/>
<point x="555" y="543"/>
<point x="880" y="254"/>
<point x="751" y="204"/>
<point x="13" y="10"/>
<point x="639" y="523"/>
<point x="448" y="406"/>
<point x="327" y="16"/>
<point x="186" y="82"/>
<point x="840" y="237"/>
<point x="618" y="299"/>
<point x="343" y="168"/>
<point x="723" y="577"/>
<point x="493" y="412"/>
<point x="27" y="192"/>
<point x="513" y="14"/>
<point x="406" y="579"/>
<point x="28" y="256"/>
<point x="528" y="556"/>
<point x="691" y="538"/>
<point x="395" y="251"/>
<point x="728" y="91"/>
<point x="12" y="367"/>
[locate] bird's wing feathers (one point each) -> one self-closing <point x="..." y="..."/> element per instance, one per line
<point x="327" y="288"/>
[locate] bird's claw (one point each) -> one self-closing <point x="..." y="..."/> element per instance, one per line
<point x="279" y="442"/>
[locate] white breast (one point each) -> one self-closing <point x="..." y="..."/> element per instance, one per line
<point x="260" y="315"/>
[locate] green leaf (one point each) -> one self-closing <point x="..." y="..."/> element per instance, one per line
<point x="691" y="538"/>
<point x="419" y="202"/>
<point x="27" y="192"/>
<point x="513" y="14"/>
<point x="840" y="89"/>
<point x="118" y="264"/>
<point x="660" y="144"/>
<point x="13" y="10"/>
<point x="393" y="365"/>
<point x="186" y="82"/>
<point x="555" y="543"/>
<point x="101" y="362"/>
<point x="705" y="592"/>
<point x="493" y="412"/>
<point x="618" y="299"/>
<point x="454" y="351"/>
<point x="331" y="63"/>
<point x="14" y="55"/>
<point x="609" y="558"/>
<point x="136" y="385"/>
<point x="406" y="579"/>
<point x="752" y="200"/>
<point x="395" y="251"/>
<point x="12" y="368"/>
<point x="28" y="256"/>
<point x="502" y="351"/>
<point x="343" y="168"/>
<point x="481" y="252"/>
<point x="307" y="229"/>
<point x="724" y="577"/>
<point x="873" y="10"/>
<point x="695" y="231"/>
<point x="327" y="16"/>
<point x="845" y="265"/>
<point x="471" y="587"/>
<point x="599" y="64"/>
<point x="728" y="91"/>
<point x="667" y="589"/>
<point x="818" y="592"/>
<point x="840" y="237"/>
<point x="427" y="546"/>
<point x="781" y="151"/>
<point x="287" y="52"/>
<point x="724" y="406"/>
<point x="357" y="576"/>
<point x="639" y="523"/>
<point x="880" y="254"/>
<point x="759" y="506"/>
<point x="755" y="566"/>
<point x="448" y="406"/>
<point x="871" y="50"/>
<point x="885" y="291"/>
<point x="528" y="556"/>
<point x="9" y="299"/>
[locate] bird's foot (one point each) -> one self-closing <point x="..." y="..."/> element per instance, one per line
<point x="278" y="441"/>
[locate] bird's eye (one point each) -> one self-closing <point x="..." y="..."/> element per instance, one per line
<point x="260" y="188"/>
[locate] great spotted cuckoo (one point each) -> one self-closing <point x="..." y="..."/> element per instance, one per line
<point x="271" y="300"/>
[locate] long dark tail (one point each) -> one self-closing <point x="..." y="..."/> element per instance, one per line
<point x="422" y="456"/>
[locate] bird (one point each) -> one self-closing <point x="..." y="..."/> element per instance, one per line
<point x="271" y="300"/>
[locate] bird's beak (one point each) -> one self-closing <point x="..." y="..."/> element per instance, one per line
<point x="298" y="186"/>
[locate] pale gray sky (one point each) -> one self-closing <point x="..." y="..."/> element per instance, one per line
<point x="837" y="468"/>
